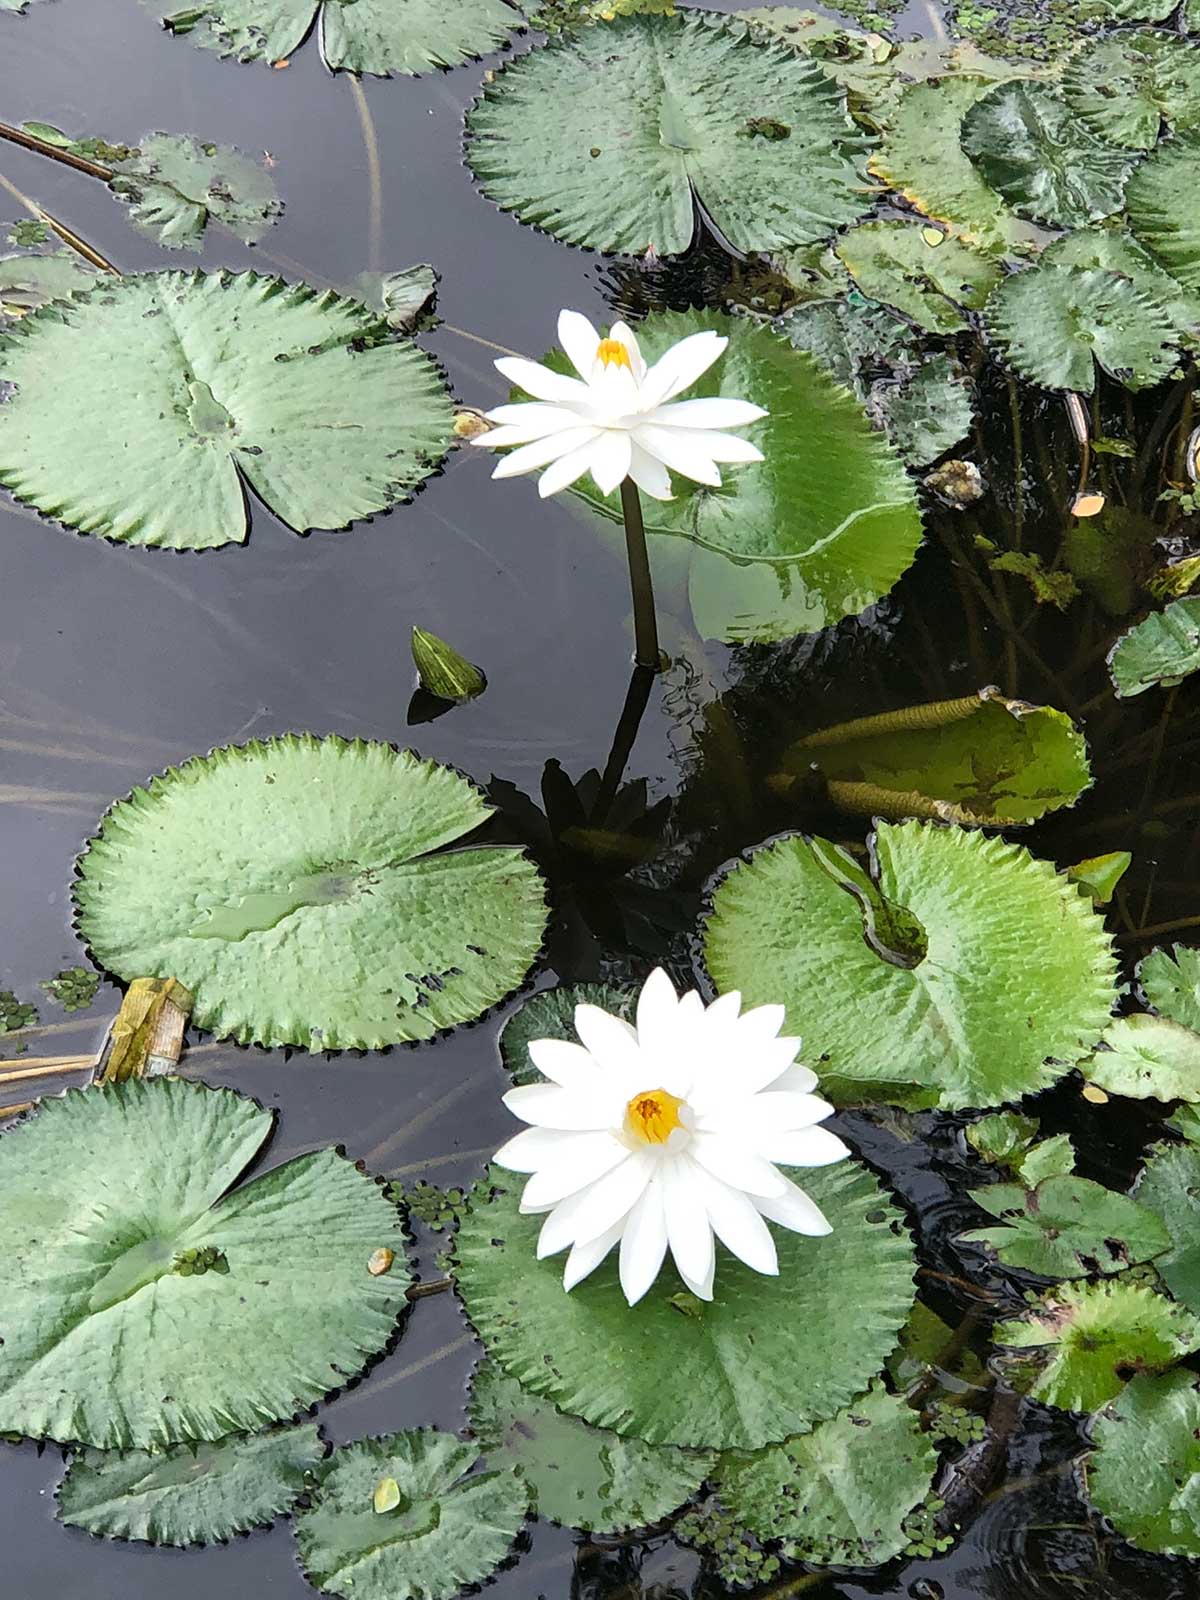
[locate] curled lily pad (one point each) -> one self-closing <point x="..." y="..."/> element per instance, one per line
<point x="1046" y="163"/>
<point x="582" y="1477"/>
<point x="760" y="140"/>
<point x="29" y="279"/>
<point x="1014" y="982"/>
<point x="108" y="1194"/>
<point x="304" y="891"/>
<point x="381" y="37"/>
<point x="1170" y="980"/>
<point x="437" y="1527"/>
<point x="1126" y="86"/>
<point x="219" y="382"/>
<point x="978" y="759"/>
<point x="838" y="1495"/>
<point x="928" y="275"/>
<point x="1147" y="1058"/>
<point x="1158" y="213"/>
<point x="1082" y="1343"/>
<point x="551" y="1015"/>
<point x="767" y="1357"/>
<point x="1163" y="649"/>
<point x="1067" y="1227"/>
<point x="1144" y="1474"/>
<point x="190" y="1493"/>
<point x="1170" y="1187"/>
<point x="1100" y="875"/>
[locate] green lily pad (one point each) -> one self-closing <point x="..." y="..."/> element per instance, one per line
<point x="107" y="1194"/>
<point x="1144" y="1474"/>
<point x="551" y="1015"/>
<point x="1007" y="1139"/>
<point x="830" y="506"/>
<point x="978" y="1019"/>
<point x="439" y="1529"/>
<point x="1114" y="250"/>
<point x="216" y="383"/>
<point x="380" y="37"/>
<point x="768" y="1357"/>
<point x="175" y="186"/>
<point x="1163" y="649"/>
<point x="581" y="1477"/>
<point x="1170" y="981"/>
<point x="1169" y="1186"/>
<point x="1086" y="1340"/>
<point x="928" y="413"/>
<point x="761" y="140"/>
<point x="303" y="890"/>
<point x="1159" y="214"/>
<point x="1147" y="1058"/>
<point x="978" y="759"/>
<point x="838" y="1495"/>
<point x="1053" y="324"/>
<point x="931" y="281"/>
<point x="1126" y="86"/>
<point x="190" y="1493"/>
<point x="29" y="279"/>
<point x="1068" y="1227"/>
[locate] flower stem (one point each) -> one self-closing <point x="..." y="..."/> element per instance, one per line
<point x="645" y="626"/>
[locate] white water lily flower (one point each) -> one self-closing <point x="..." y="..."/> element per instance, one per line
<point x="661" y="1136"/>
<point x="613" y="420"/>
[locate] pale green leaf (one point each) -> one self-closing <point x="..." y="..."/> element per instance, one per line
<point x="1163" y="649"/>
<point x="894" y="262"/>
<point x="1147" y="1058"/>
<point x="1170" y="981"/>
<point x="928" y="412"/>
<point x="301" y="888"/>
<point x="1169" y="1186"/>
<point x="1007" y="1139"/>
<point x="1067" y="1227"/>
<point x="1115" y="250"/>
<point x="1126" y="86"/>
<point x="551" y="1015"/>
<point x="1144" y="1474"/>
<point x="1160" y="214"/>
<point x="1100" y="875"/>
<point x="28" y="281"/>
<point x="175" y="186"/>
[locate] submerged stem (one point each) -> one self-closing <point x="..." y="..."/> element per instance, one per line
<point x="645" y="625"/>
<point x="80" y="246"/>
<point x="42" y="147"/>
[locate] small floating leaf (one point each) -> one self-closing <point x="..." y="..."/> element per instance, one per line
<point x="106" y="1342"/>
<point x="1145" y="1471"/>
<point x="450" y="1527"/>
<point x="1163" y="649"/>
<point x="406" y="298"/>
<point x="1170" y="1187"/>
<point x="30" y="279"/>
<point x="1100" y="875"/>
<point x="693" y="86"/>
<point x="1007" y="1139"/>
<point x="1147" y="1058"/>
<point x="894" y="262"/>
<point x="1067" y="1227"/>
<point x="442" y="671"/>
<point x="207" y="874"/>
<point x="190" y="1493"/>
<point x="386" y="1497"/>
<point x="176" y="185"/>
<point x="928" y="412"/>
<point x="551" y="1015"/>
<point x="1170" y="980"/>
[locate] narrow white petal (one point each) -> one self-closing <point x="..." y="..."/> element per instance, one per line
<point x="737" y="1166"/>
<point x="533" y="1148"/>
<point x="725" y="1008"/>
<point x="586" y="1256"/>
<point x="689" y="1233"/>
<point x="588" y="1157"/>
<point x="599" y="1206"/>
<point x="761" y="1022"/>
<point x="793" y="1209"/>
<point x="657" y="1014"/>
<point x="649" y="474"/>
<point x="732" y="1072"/>
<point x="681" y="365"/>
<point x="643" y="1244"/>
<point x="784" y="1113"/>
<point x="717" y="446"/>
<point x="611" y="458"/>
<point x="545" y="1105"/>
<point x="702" y="1288"/>
<point x="626" y="335"/>
<point x="540" y="382"/>
<point x="670" y="446"/>
<point x="798" y="1079"/>
<point x="736" y="1222"/>
<point x="580" y="340"/>
<point x="804" y="1147"/>
<point x="563" y="472"/>
<point x="611" y="1040"/>
<point x="569" y="1065"/>
<point x="715" y="412"/>
<point x="529" y="457"/>
<point x="522" y="424"/>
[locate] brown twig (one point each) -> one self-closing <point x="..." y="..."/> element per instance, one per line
<point x="42" y="147"/>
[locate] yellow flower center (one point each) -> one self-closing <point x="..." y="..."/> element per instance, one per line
<point x="652" y="1116"/>
<point x="612" y="353"/>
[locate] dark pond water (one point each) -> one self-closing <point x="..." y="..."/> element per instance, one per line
<point x="116" y="662"/>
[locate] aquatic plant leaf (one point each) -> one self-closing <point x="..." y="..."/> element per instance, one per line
<point x="175" y="186"/>
<point x="1054" y="323"/>
<point x="1067" y="1227"/>
<point x="1161" y="650"/>
<point x="1126" y="86"/>
<point x="190" y="1493"/>
<point x="1045" y="162"/>
<point x="762" y="140"/>
<point x="830" y="506"/>
<point x="1086" y="1340"/>
<point x="582" y="1477"/>
<point x="925" y="1341"/>
<point x="1007" y="1139"/>
<point x="449" y="1527"/>
<point x="1147" y="1058"/>
<point x="1159" y="215"/>
<point x="922" y="158"/>
<point x="29" y="279"/>
<point x="380" y="37"/>
<point x="838" y="1495"/>
<point x="1144" y="1474"/>
<point x="927" y="413"/>
<point x="707" y="1375"/>
<point x="442" y="671"/>
<point x="929" y="279"/>
<point x="16" y="5"/>
<point x="407" y="298"/>
<point x="1017" y="984"/>
<point x="1169" y="1185"/>
<point x="219" y="382"/>
<point x="551" y="1015"/>
<point x="1100" y="875"/>
<point x="108" y="1195"/>
<point x="978" y="759"/>
<point x="1170" y="981"/>
<point x="1114" y="250"/>
<point x="303" y="890"/>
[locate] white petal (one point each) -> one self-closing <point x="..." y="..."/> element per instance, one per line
<point x="569" y="1065"/>
<point x="804" y="1147"/>
<point x="587" y="1158"/>
<point x="610" y="1040"/>
<point x="643" y="1244"/>
<point x="545" y="1105"/>
<point x="796" y="1211"/>
<point x="650" y="475"/>
<point x="563" y="473"/>
<point x="736" y="1221"/>
<point x="625" y="334"/>
<point x="657" y="1014"/>
<point x="611" y="457"/>
<point x="540" y="382"/>
<point x="580" y="340"/>
<point x="689" y="1233"/>
<point x="670" y="446"/>
<point x="529" y="457"/>
<point x="725" y="1008"/>
<point x="736" y="1165"/>
<point x="733" y="1072"/>
<point x="785" y="1113"/>
<point x="798" y="1079"/>
<point x="534" y="419"/>
<point x="586" y="1256"/>
<point x="717" y="446"/>
<point x="599" y="1206"/>
<point x="682" y="364"/>
<point x="533" y="1148"/>
<point x="714" y="412"/>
